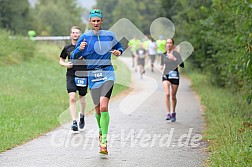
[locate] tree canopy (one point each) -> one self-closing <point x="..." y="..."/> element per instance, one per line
<point x="140" y="12"/>
<point x="15" y="15"/>
<point x="46" y="18"/>
<point x="221" y="33"/>
<point x="56" y="17"/>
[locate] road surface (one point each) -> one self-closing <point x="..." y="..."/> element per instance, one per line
<point x="139" y="135"/>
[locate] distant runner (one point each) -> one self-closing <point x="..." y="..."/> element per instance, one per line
<point x="171" y="60"/>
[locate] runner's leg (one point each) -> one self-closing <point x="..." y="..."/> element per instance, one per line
<point x="82" y="111"/>
<point x="166" y="85"/>
<point x="174" y="99"/>
<point x="72" y="104"/>
<point x="82" y="104"/>
<point x="104" y="121"/>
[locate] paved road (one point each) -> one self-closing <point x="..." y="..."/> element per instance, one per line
<point x="139" y="135"/>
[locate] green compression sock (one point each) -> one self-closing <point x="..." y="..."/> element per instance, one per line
<point x="98" y="118"/>
<point x="104" y="125"/>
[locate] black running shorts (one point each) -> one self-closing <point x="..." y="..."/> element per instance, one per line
<point x="172" y="81"/>
<point x="71" y="86"/>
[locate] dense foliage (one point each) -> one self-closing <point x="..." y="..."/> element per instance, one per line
<point x="46" y="18"/>
<point x="221" y="33"/>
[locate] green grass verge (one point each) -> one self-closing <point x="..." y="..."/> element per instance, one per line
<point x="15" y="49"/>
<point x="33" y="96"/>
<point x="229" y="123"/>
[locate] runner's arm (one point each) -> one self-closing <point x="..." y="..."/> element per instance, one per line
<point x="162" y="62"/>
<point x="77" y="52"/>
<point x="63" y="63"/>
<point x="63" y="56"/>
<point x="117" y="45"/>
<point x="181" y="63"/>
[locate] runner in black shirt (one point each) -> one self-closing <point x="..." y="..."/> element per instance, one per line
<point x="74" y="82"/>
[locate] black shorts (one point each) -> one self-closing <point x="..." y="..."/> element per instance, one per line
<point x="104" y="91"/>
<point x="141" y="61"/>
<point x="152" y="58"/>
<point x="172" y="81"/>
<point x="71" y="86"/>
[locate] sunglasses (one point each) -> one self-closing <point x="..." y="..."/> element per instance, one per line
<point x="96" y="11"/>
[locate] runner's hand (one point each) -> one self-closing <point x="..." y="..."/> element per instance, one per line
<point x="83" y="44"/>
<point x="172" y="57"/>
<point x="69" y="65"/>
<point x="161" y="68"/>
<point x="116" y="52"/>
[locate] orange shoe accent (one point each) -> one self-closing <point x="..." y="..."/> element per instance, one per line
<point x="103" y="149"/>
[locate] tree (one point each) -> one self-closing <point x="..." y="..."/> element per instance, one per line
<point x="139" y="12"/>
<point x="56" y="17"/>
<point x="188" y="22"/>
<point x="220" y="32"/>
<point x="229" y="31"/>
<point x="168" y="9"/>
<point x="107" y="8"/>
<point x="127" y="9"/>
<point x="14" y="16"/>
<point x="149" y="11"/>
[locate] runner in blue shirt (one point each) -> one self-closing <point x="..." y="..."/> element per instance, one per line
<point x="96" y="47"/>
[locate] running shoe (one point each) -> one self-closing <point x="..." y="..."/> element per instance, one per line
<point x="168" y="116"/>
<point x="173" y="117"/>
<point x="74" y="126"/>
<point x="103" y="149"/>
<point x="82" y="121"/>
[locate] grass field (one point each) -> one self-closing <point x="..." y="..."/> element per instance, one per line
<point x="229" y="124"/>
<point x="33" y="96"/>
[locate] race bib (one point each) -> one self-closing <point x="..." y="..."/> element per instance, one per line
<point x="82" y="82"/>
<point x="98" y="75"/>
<point x="173" y="75"/>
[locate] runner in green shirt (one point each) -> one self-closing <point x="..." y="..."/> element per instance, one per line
<point x="160" y="47"/>
<point x="133" y="44"/>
